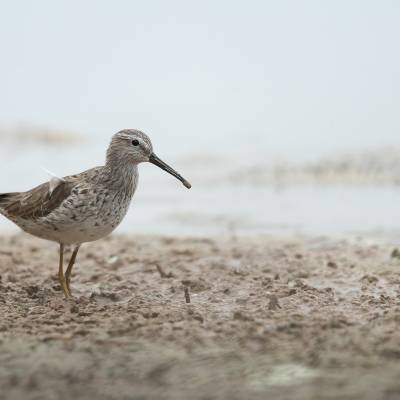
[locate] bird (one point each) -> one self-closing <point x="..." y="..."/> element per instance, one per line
<point x="88" y="206"/>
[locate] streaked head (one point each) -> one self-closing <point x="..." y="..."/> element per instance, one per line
<point x="133" y="146"/>
<point x="130" y="145"/>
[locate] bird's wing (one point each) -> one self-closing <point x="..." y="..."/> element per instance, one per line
<point x="43" y="199"/>
<point x="38" y="202"/>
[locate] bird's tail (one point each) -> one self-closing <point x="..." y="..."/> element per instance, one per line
<point x="3" y="197"/>
<point x="5" y="201"/>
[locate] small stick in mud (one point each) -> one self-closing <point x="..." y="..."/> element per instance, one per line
<point x="395" y="254"/>
<point x="162" y="273"/>
<point x="273" y="303"/>
<point x="187" y="294"/>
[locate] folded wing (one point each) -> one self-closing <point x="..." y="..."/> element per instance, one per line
<point x="36" y="203"/>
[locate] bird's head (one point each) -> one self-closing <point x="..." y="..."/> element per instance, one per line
<point x="134" y="147"/>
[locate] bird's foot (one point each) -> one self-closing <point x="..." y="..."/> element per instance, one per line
<point x="64" y="287"/>
<point x="67" y="284"/>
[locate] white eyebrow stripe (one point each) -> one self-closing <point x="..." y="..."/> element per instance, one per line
<point x="125" y="137"/>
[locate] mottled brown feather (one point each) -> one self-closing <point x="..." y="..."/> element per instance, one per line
<point x="37" y="202"/>
<point x="42" y="201"/>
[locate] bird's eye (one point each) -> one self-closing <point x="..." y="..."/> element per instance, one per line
<point x="135" y="142"/>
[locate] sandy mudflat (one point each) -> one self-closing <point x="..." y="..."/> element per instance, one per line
<point x="301" y="319"/>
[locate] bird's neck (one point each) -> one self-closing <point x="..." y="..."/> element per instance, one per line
<point x="120" y="174"/>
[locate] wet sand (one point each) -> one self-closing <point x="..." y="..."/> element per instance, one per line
<point x="283" y="319"/>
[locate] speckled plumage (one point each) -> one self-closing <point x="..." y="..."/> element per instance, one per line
<point x="88" y="206"/>
<point x="97" y="201"/>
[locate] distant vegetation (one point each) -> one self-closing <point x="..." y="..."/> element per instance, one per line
<point x="378" y="166"/>
<point x="41" y="136"/>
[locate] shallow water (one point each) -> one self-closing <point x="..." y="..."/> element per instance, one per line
<point x="217" y="204"/>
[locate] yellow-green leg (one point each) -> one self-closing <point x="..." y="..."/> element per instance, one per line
<point x="61" y="277"/>
<point x="70" y="266"/>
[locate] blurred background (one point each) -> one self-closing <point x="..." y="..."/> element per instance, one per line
<point x="284" y="115"/>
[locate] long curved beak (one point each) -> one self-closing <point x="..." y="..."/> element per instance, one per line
<point x="160" y="163"/>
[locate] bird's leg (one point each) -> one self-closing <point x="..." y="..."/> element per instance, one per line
<point x="70" y="266"/>
<point x="61" y="277"/>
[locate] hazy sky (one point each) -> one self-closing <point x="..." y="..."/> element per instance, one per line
<point x="301" y="76"/>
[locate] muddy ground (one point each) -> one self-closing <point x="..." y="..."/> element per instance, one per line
<point x="281" y="319"/>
